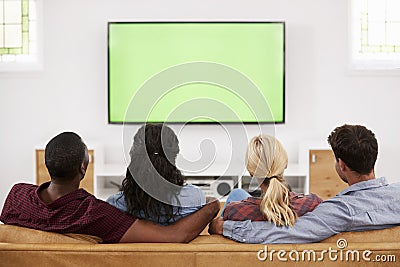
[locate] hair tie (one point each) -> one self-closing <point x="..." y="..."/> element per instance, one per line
<point x="269" y="178"/>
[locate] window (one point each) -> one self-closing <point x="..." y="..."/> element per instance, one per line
<point x="18" y="34"/>
<point x="376" y="34"/>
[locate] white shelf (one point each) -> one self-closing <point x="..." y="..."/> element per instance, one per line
<point x="214" y="169"/>
<point x="104" y="175"/>
<point x="295" y="175"/>
<point x="295" y="170"/>
<point x="111" y="170"/>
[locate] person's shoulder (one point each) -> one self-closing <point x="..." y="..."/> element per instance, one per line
<point x="300" y="196"/>
<point x="250" y="201"/>
<point x="314" y="197"/>
<point x="239" y="210"/>
<point x="395" y="185"/>
<point x="118" y="201"/>
<point x="190" y="189"/>
<point x="20" y="191"/>
<point x="335" y="203"/>
<point x="23" y="186"/>
<point x="191" y="195"/>
<point x="115" y="197"/>
<point x="244" y="203"/>
<point x="235" y="204"/>
<point x="189" y="186"/>
<point x="389" y="188"/>
<point x="99" y="204"/>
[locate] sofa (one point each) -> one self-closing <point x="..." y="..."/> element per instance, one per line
<point x="27" y="247"/>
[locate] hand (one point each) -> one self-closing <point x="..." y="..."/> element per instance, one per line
<point x="216" y="226"/>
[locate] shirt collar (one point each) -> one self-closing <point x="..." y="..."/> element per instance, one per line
<point x="378" y="182"/>
<point x="77" y="194"/>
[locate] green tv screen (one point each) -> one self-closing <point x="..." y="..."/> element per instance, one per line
<point x="196" y="72"/>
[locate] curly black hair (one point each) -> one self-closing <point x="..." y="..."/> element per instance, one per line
<point x="153" y="155"/>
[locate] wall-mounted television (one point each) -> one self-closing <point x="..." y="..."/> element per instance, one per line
<point x="196" y="72"/>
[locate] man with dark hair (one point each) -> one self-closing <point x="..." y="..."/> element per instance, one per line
<point x="63" y="154"/>
<point x="355" y="146"/>
<point x="368" y="203"/>
<point x="60" y="206"/>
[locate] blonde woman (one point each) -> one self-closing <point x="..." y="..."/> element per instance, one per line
<point x="266" y="161"/>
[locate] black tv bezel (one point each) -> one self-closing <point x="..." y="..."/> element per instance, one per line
<point x="200" y="22"/>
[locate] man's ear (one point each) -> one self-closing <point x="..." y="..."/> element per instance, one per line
<point x="342" y="165"/>
<point x="82" y="169"/>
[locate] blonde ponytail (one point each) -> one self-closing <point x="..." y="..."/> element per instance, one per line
<point x="266" y="159"/>
<point x="275" y="204"/>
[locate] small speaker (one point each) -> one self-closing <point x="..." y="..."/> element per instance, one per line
<point x="221" y="188"/>
<point x="214" y="188"/>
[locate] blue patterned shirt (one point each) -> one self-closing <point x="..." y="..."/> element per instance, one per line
<point x="367" y="205"/>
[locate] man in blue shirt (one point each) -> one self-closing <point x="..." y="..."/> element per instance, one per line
<point x="367" y="204"/>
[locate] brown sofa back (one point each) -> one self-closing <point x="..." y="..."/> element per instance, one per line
<point x="21" y="235"/>
<point x="27" y="247"/>
<point x="373" y="236"/>
<point x="16" y="234"/>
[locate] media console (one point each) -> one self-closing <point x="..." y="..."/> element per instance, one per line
<point x="216" y="184"/>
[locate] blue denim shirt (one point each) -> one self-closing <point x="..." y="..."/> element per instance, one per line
<point x="190" y="199"/>
<point x="367" y="205"/>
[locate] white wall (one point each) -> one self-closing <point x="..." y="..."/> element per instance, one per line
<point x="70" y="92"/>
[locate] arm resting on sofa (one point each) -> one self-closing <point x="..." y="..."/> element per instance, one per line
<point x="182" y="231"/>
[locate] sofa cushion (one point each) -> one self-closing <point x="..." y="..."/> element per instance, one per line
<point x="16" y="234"/>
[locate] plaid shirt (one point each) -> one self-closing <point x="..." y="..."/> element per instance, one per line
<point x="76" y="212"/>
<point x="249" y="209"/>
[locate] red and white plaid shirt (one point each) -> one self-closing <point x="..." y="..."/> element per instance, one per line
<point x="249" y="209"/>
<point x="76" y="212"/>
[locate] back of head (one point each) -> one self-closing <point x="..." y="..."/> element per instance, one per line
<point x="266" y="160"/>
<point x="153" y="155"/>
<point x="356" y="146"/>
<point x="64" y="155"/>
<point x="156" y="139"/>
<point x="266" y="157"/>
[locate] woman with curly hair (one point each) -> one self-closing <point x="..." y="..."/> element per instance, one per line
<point x="154" y="188"/>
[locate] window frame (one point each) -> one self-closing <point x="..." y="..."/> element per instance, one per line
<point x="32" y="62"/>
<point x="367" y="61"/>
